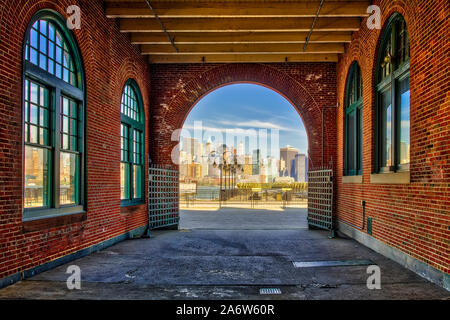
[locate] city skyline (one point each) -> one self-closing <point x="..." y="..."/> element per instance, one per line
<point x="199" y="161"/>
<point x="248" y="107"/>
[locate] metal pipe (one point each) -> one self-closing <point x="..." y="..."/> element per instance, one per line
<point x="363" y="203"/>
<point x="162" y="25"/>
<point x="313" y="25"/>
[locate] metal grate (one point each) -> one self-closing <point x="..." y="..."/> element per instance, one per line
<point x="320" y="198"/>
<point x="269" y="291"/>
<point x="163" y="193"/>
<point x="333" y="263"/>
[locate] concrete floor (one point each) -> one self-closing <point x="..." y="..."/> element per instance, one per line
<point x="247" y="219"/>
<point x="229" y="254"/>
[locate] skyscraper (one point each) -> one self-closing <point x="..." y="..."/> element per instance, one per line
<point x="240" y="149"/>
<point x="300" y="167"/>
<point x="256" y="161"/>
<point x="192" y="148"/>
<point x="287" y="155"/>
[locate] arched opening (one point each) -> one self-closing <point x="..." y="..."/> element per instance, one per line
<point x="179" y="93"/>
<point x="243" y="146"/>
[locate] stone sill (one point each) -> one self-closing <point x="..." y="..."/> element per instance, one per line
<point x="352" y="179"/>
<point x="53" y="222"/>
<point x="403" y="177"/>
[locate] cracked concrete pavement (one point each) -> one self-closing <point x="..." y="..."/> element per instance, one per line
<point x="229" y="254"/>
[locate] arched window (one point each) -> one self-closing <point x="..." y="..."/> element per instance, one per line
<point x="353" y="122"/>
<point x="132" y="145"/>
<point x="53" y="117"/>
<point x="393" y="97"/>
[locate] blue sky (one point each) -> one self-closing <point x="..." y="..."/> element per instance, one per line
<point x="249" y="106"/>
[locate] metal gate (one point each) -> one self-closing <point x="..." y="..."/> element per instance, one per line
<point x="320" y="198"/>
<point x="163" y="193"/>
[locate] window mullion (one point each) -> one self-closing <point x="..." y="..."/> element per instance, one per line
<point x="130" y="160"/>
<point x="381" y="132"/>
<point x="345" y="143"/>
<point x="355" y="140"/>
<point x="57" y="148"/>
<point x="394" y="133"/>
<point x="361" y="138"/>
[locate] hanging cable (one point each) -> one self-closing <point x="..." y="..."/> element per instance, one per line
<point x="313" y="25"/>
<point x="162" y="25"/>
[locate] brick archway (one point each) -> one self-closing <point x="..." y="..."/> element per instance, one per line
<point x="308" y="87"/>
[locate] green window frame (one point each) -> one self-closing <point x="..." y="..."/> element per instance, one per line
<point x="53" y="119"/>
<point x="393" y="98"/>
<point x="132" y="146"/>
<point x="353" y="157"/>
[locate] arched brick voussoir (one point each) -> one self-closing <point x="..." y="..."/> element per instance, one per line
<point x="174" y="97"/>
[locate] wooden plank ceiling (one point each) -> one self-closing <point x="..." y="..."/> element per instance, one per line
<point x="179" y="31"/>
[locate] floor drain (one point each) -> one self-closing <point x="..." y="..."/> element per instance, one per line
<point x="337" y="263"/>
<point x="269" y="291"/>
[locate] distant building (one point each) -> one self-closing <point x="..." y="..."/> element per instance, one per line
<point x="300" y="167"/>
<point x="256" y="162"/>
<point x="209" y="148"/>
<point x="213" y="172"/>
<point x="270" y="169"/>
<point x="281" y="165"/>
<point x="192" y="170"/>
<point x="240" y="150"/>
<point x="287" y="155"/>
<point x="193" y="148"/>
<point x="248" y="165"/>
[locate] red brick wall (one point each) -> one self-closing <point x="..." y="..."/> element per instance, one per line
<point x="414" y="218"/>
<point x="309" y="87"/>
<point x="109" y="60"/>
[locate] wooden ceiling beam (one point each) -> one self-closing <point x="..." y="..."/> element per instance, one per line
<point x="228" y="9"/>
<point x="240" y="37"/>
<point x="286" y="48"/>
<point x="240" y="25"/>
<point x="243" y="58"/>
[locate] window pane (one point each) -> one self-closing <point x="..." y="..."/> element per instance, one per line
<point x="129" y="105"/>
<point x="70" y="132"/>
<point x="69" y="178"/>
<point x="124" y="181"/>
<point x="137" y="147"/>
<point x="33" y="134"/>
<point x="137" y="182"/>
<point x="404" y="121"/>
<point x="34" y="38"/>
<point x="36" y="177"/>
<point x="351" y="142"/>
<point x="360" y="140"/>
<point x="124" y="142"/>
<point x="36" y="113"/>
<point x="386" y="132"/>
<point x="46" y="45"/>
<point x="402" y="42"/>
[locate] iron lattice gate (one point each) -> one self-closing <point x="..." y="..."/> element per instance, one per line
<point x="163" y="197"/>
<point x="320" y="198"/>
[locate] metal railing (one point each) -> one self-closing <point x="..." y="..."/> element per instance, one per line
<point x="246" y="198"/>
